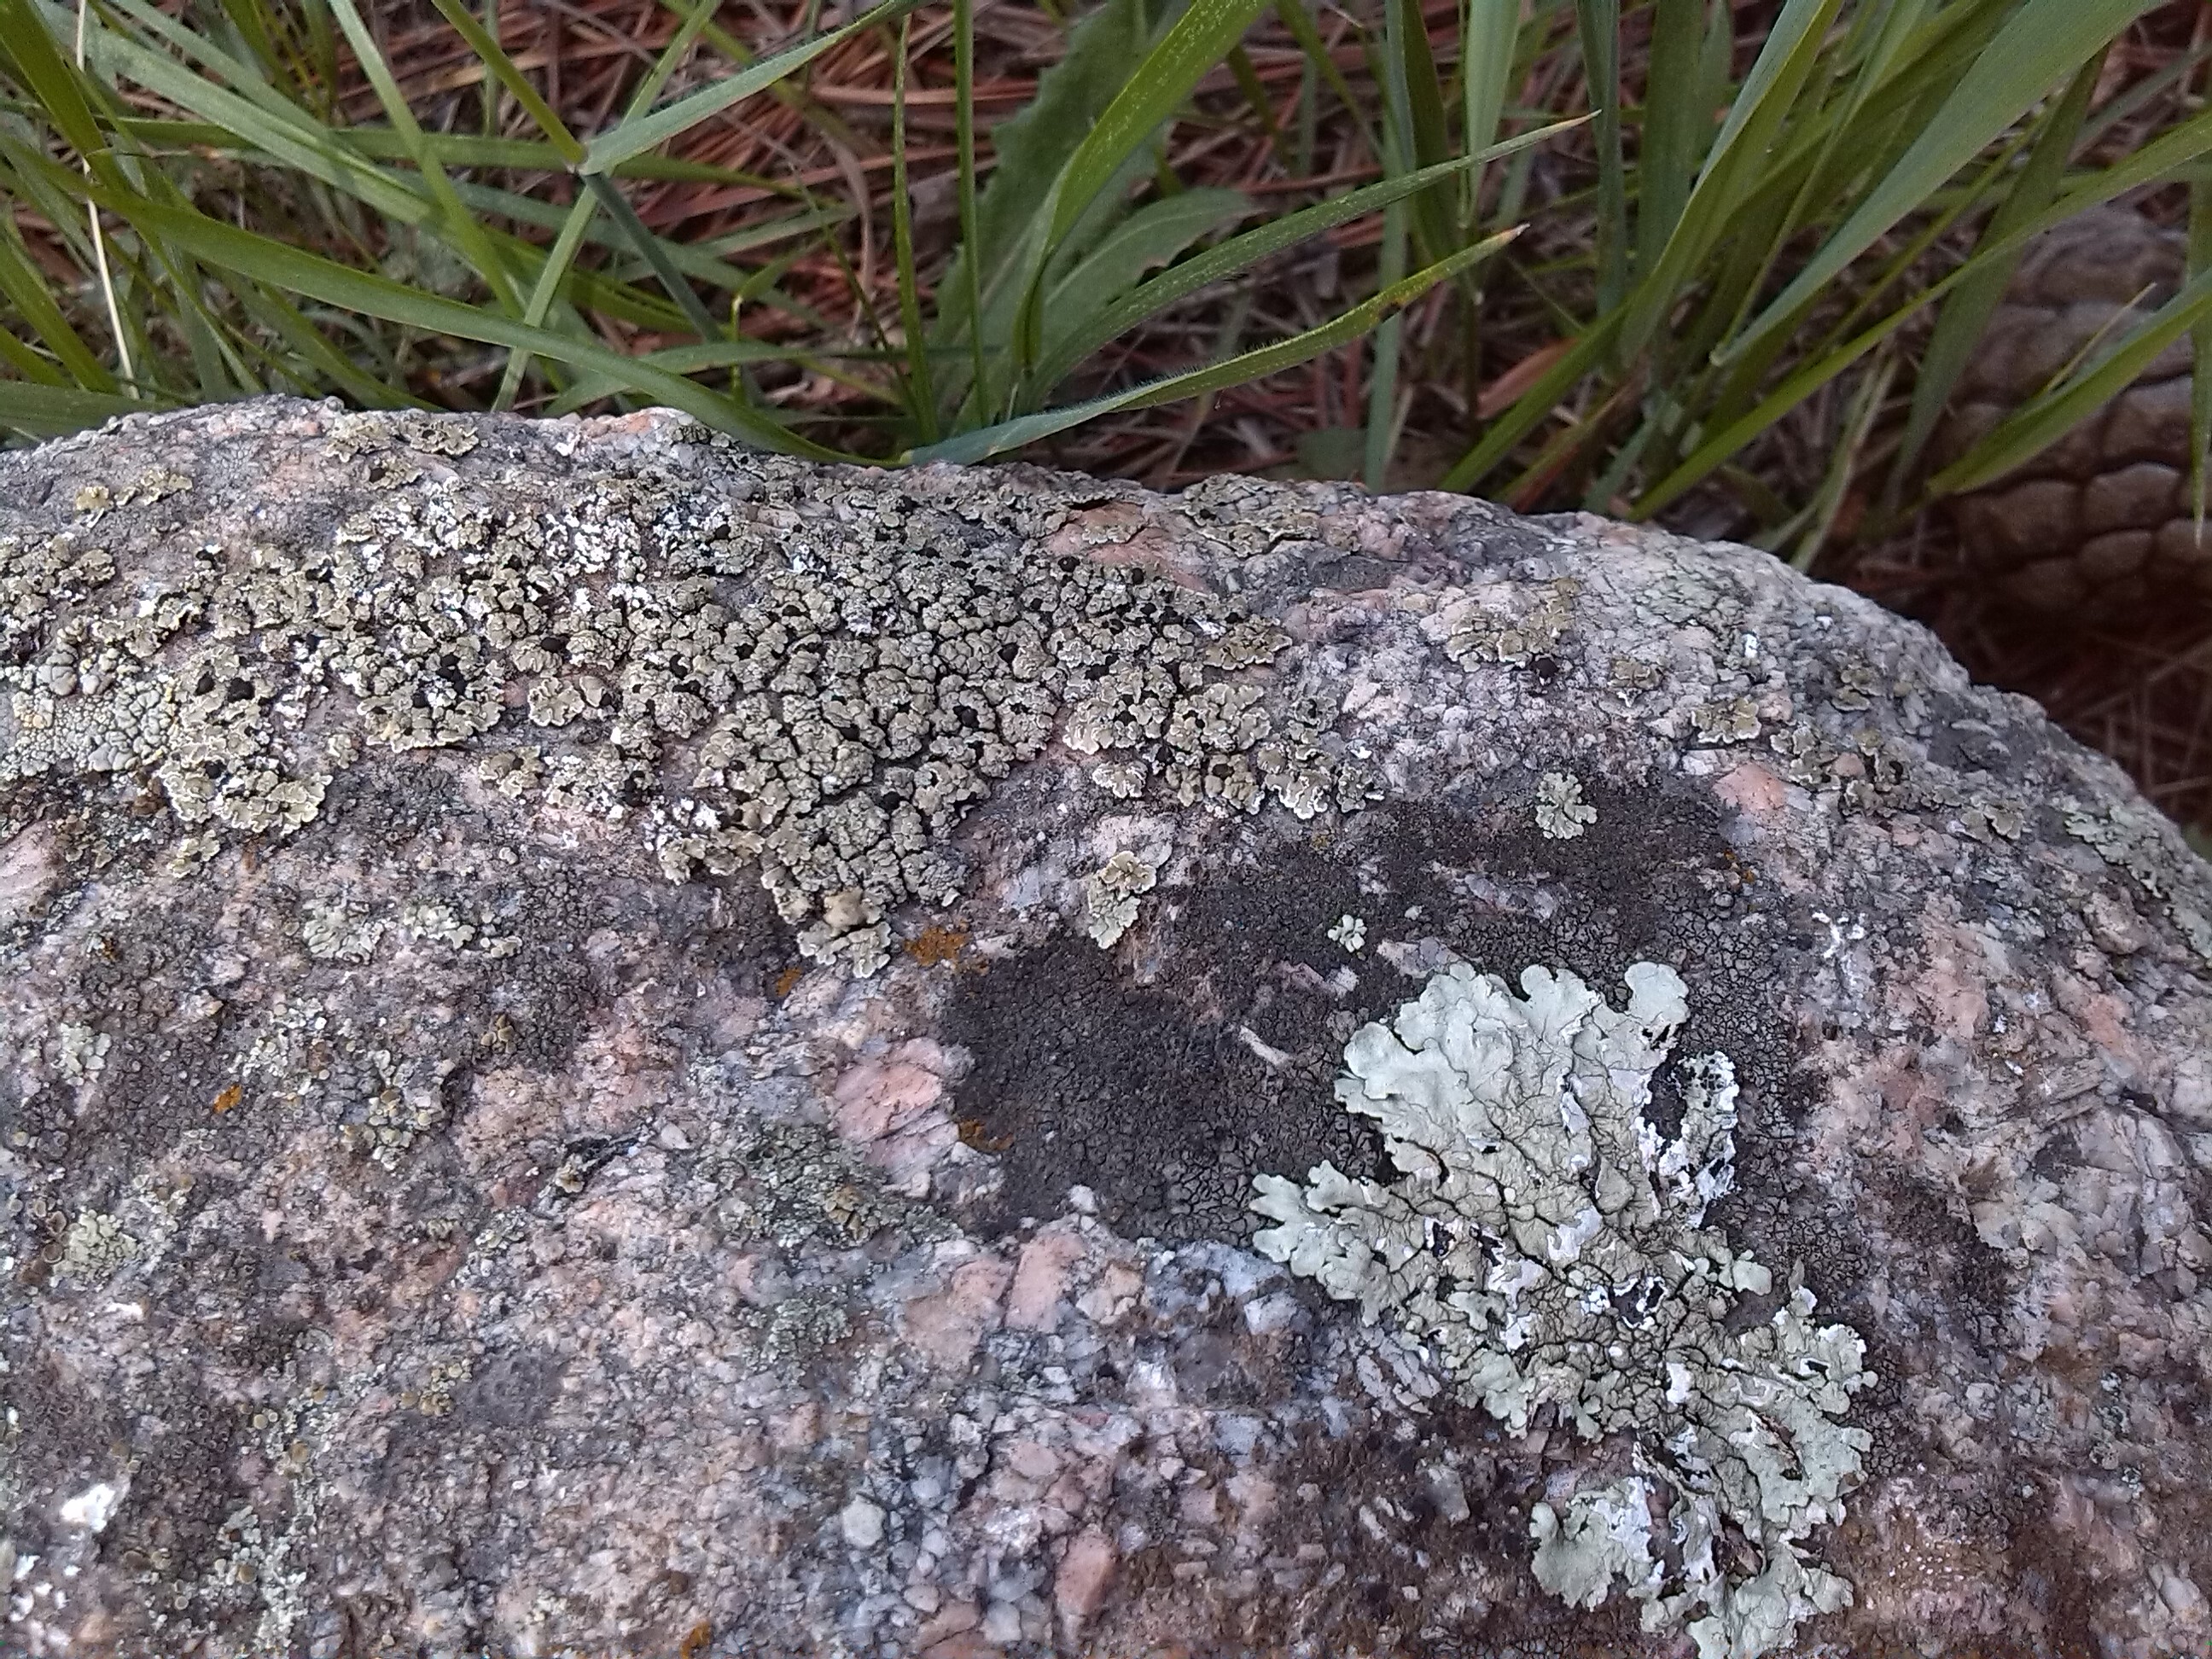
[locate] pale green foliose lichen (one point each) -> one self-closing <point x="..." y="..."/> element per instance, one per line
<point x="1109" y="896"/>
<point x="1546" y="1244"/>
<point x="1562" y="814"/>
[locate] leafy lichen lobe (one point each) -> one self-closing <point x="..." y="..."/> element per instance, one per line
<point x="1546" y="1242"/>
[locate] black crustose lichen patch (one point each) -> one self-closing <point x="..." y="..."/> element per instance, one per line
<point x="1166" y="1097"/>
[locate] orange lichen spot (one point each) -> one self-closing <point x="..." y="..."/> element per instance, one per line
<point x="974" y="1134"/>
<point x="228" y="1098"/>
<point x="787" y="980"/>
<point x="936" y="944"/>
<point x="695" y="1639"/>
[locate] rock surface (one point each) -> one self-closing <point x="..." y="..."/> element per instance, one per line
<point x="613" y="1046"/>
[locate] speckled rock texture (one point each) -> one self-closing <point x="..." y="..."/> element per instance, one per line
<point x="612" y="1045"/>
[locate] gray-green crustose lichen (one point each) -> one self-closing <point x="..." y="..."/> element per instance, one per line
<point x="1547" y="1244"/>
<point x="772" y="678"/>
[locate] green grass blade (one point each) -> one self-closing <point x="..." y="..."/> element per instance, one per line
<point x="2045" y="420"/>
<point x="27" y="363"/>
<point x="969" y="447"/>
<point x="1299" y="21"/>
<point x="1155" y="89"/>
<point x="460" y="225"/>
<point x="1489" y="33"/>
<point x="48" y="411"/>
<point x="971" y="242"/>
<point x="1154" y="234"/>
<point x="672" y="56"/>
<point x="2155" y="161"/>
<point x="286" y="135"/>
<point x="502" y="68"/>
<point x="1675" y="126"/>
<point x="649" y="248"/>
<point x="1534" y="405"/>
<point x="297" y="272"/>
<point x="1414" y="78"/>
<point x="920" y="391"/>
<point x="1958" y="325"/>
<point x="1598" y="23"/>
<point x="644" y="132"/>
<point x="2044" y="41"/>
<point x="1732" y="166"/>
<point x="1242" y="253"/>
<point x="1151" y="91"/>
<point x="26" y="290"/>
<point x="551" y="276"/>
<point x="60" y="87"/>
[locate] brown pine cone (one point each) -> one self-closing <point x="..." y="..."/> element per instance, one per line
<point x="2099" y="526"/>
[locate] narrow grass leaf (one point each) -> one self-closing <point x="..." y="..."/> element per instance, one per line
<point x="298" y="271"/>
<point x="1598" y="22"/>
<point x="649" y="248"/>
<point x="551" y="276"/>
<point x="969" y="447"/>
<point x="920" y="392"/>
<point x="48" y="411"/>
<point x="1958" y="325"/>
<point x="644" y="132"/>
<point x="2042" y="42"/>
<point x="1675" y="127"/>
<point x="1154" y="89"/>
<point x="460" y="226"/>
<point x="2042" y="421"/>
<point x="1243" y="252"/>
<point x="502" y="68"/>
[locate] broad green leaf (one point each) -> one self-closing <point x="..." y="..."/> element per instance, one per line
<point x="2043" y="41"/>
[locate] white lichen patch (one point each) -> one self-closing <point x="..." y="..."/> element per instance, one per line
<point x="1110" y="896"/>
<point x="1546" y="1242"/>
<point x="1561" y="812"/>
<point x="1350" y="931"/>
